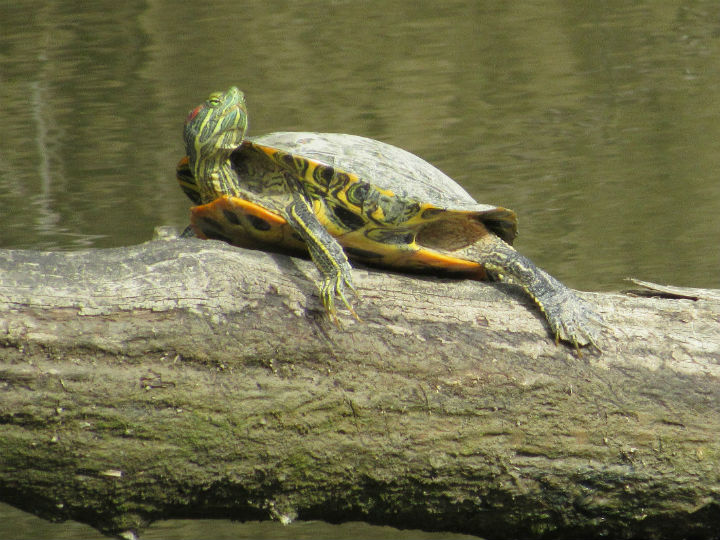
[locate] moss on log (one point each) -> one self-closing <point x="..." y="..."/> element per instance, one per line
<point x="189" y="378"/>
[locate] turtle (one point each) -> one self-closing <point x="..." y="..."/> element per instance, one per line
<point x="340" y="196"/>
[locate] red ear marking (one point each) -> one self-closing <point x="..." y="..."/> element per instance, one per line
<point x="194" y="113"/>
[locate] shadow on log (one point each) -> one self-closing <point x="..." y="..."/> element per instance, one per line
<point x="189" y="378"/>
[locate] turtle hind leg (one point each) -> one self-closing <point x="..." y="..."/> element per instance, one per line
<point x="571" y="319"/>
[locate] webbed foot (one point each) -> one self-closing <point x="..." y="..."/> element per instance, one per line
<point x="571" y="319"/>
<point x="337" y="285"/>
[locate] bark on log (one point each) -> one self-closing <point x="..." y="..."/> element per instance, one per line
<point x="189" y="378"/>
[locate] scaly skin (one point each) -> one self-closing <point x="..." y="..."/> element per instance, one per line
<point x="326" y="253"/>
<point x="370" y="201"/>
<point x="213" y="131"/>
<point x="570" y="318"/>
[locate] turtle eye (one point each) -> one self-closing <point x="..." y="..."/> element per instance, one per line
<point x="215" y="99"/>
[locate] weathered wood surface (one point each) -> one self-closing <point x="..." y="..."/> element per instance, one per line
<point x="182" y="378"/>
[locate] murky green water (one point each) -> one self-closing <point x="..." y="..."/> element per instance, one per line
<point x="23" y="526"/>
<point x="598" y="122"/>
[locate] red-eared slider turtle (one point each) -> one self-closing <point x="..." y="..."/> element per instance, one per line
<point x="338" y="196"/>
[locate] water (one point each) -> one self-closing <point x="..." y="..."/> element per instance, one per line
<point x="598" y="122"/>
<point x="23" y="526"/>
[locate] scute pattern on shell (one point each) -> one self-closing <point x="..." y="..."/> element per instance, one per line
<point x="384" y="165"/>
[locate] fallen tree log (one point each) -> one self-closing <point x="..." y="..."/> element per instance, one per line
<point x="187" y="378"/>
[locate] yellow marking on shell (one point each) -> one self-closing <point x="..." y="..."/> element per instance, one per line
<point x="312" y="165"/>
<point x="341" y="196"/>
<point x="320" y="210"/>
<point x="410" y="256"/>
<point x="378" y="214"/>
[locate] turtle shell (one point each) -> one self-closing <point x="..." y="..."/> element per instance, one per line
<point x="383" y="205"/>
<point x="336" y="196"/>
<point x="390" y="169"/>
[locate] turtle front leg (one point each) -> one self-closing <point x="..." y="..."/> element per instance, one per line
<point x="571" y="319"/>
<point x="326" y="253"/>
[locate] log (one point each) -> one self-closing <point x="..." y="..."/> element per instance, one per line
<point x="185" y="378"/>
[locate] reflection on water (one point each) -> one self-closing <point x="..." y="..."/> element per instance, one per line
<point x="24" y="526"/>
<point x="598" y="122"/>
<point x="310" y="530"/>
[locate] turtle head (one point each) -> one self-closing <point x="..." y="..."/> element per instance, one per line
<point x="215" y="128"/>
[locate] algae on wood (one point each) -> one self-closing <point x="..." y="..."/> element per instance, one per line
<point x="182" y="378"/>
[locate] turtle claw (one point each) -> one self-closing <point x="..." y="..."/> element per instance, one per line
<point x="573" y="321"/>
<point x="336" y="286"/>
